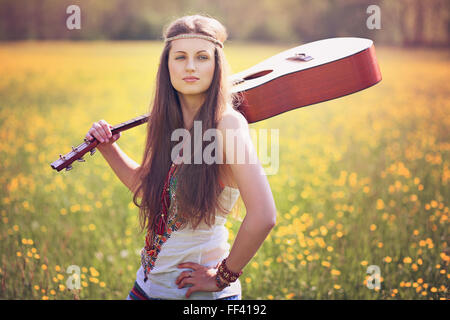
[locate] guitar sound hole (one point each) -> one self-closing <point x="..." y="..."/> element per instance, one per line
<point x="258" y="74"/>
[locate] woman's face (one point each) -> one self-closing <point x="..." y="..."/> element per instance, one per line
<point x="191" y="58"/>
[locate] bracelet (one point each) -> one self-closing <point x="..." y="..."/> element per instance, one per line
<point x="226" y="274"/>
<point x="221" y="285"/>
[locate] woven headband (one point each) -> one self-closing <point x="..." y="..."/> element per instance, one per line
<point x="194" y="35"/>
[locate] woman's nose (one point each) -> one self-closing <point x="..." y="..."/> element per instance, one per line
<point x="190" y="66"/>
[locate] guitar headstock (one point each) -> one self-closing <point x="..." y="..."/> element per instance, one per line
<point x="77" y="153"/>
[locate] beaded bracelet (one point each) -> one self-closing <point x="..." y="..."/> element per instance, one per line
<point x="226" y="274"/>
<point x="221" y="285"/>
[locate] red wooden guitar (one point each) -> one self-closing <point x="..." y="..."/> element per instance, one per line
<point x="298" y="77"/>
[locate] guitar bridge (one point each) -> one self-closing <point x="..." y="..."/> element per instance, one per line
<point x="300" y="57"/>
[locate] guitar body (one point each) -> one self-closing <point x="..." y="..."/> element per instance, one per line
<point x="298" y="77"/>
<point x="328" y="69"/>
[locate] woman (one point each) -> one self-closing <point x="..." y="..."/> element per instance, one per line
<point x="184" y="203"/>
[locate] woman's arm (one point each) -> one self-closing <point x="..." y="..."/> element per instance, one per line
<point x="124" y="167"/>
<point x="254" y="188"/>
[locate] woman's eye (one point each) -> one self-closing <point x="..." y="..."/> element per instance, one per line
<point x="179" y="58"/>
<point x="203" y="57"/>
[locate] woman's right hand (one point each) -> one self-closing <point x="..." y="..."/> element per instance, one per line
<point x="101" y="131"/>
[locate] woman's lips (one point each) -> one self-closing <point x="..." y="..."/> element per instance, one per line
<point x="190" y="79"/>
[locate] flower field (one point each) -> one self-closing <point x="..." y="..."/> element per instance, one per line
<point x="362" y="181"/>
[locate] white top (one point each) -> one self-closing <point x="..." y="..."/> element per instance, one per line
<point x="207" y="246"/>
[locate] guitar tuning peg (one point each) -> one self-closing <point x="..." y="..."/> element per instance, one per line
<point x="61" y="157"/>
<point x="81" y="160"/>
<point x="74" y="149"/>
<point x="92" y="151"/>
<point x="69" y="168"/>
<point x="238" y="81"/>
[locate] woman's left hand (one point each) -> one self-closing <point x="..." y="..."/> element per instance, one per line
<point x="202" y="278"/>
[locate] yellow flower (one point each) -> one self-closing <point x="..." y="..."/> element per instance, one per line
<point x="102" y="284"/>
<point x="388" y="259"/>
<point x="337" y="287"/>
<point x="19" y="254"/>
<point x="373" y="227"/>
<point x="93" y="280"/>
<point x="94" y="272"/>
<point x="270" y="297"/>
<point x="290" y="295"/>
<point x="407" y="260"/>
<point x="44" y="267"/>
<point x="326" y="264"/>
<point x="335" y="272"/>
<point x="433" y="289"/>
<point x="364" y="263"/>
<point x="248" y="280"/>
<point x="380" y="204"/>
<point x="44" y="298"/>
<point x="53" y="292"/>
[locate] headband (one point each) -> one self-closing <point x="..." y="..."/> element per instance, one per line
<point x="194" y="35"/>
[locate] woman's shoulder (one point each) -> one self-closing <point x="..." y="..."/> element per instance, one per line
<point x="232" y="119"/>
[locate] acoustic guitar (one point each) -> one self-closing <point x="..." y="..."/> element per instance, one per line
<point x="304" y="75"/>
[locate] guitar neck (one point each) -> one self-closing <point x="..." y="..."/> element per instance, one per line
<point x="130" y="124"/>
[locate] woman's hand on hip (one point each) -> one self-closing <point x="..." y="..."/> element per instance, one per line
<point x="202" y="278"/>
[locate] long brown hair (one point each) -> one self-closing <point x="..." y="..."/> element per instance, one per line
<point x="198" y="185"/>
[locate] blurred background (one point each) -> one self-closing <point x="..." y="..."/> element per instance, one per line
<point x="410" y="22"/>
<point x="363" y="180"/>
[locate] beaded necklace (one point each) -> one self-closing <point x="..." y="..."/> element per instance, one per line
<point x="165" y="224"/>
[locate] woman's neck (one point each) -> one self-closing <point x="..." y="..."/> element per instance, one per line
<point x="190" y="105"/>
